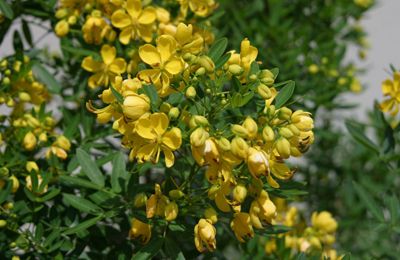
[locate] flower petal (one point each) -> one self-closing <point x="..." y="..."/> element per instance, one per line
<point x="118" y="66"/>
<point x="146" y="152"/>
<point x="145" y="32"/>
<point x="169" y="157"/>
<point x="174" y="66"/>
<point x="145" y="129"/>
<point x="91" y="65"/>
<point x="149" y="54"/>
<point x="148" y="16"/>
<point x="108" y="54"/>
<point x="166" y="46"/>
<point x="126" y="35"/>
<point x="173" y="138"/>
<point x="120" y="19"/>
<point x="160" y="123"/>
<point x="134" y="8"/>
<point x="150" y="76"/>
<point x="96" y="80"/>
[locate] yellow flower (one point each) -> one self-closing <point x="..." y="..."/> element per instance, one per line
<point x="391" y="89"/>
<point x="187" y="41"/>
<point x="153" y="130"/>
<point x="140" y="230"/>
<point x="62" y="28"/>
<point x="204" y="234"/>
<point x="165" y="64"/>
<point x="257" y="162"/>
<point x="241" y="225"/>
<point x="363" y="3"/>
<point x="247" y="55"/>
<point x="324" y="221"/>
<point x="303" y="120"/>
<point x="96" y="28"/>
<point x="155" y="205"/>
<point x="105" y="71"/>
<point x="134" y="22"/>
<point x="262" y="209"/>
<point x="171" y="211"/>
<point x="200" y="7"/>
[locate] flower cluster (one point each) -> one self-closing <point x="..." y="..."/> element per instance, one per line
<point x="318" y="237"/>
<point x="176" y="97"/>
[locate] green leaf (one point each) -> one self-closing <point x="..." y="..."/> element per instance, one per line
<point x="5" y="192"/>
<point x="150" y="250"/>
<point x="222" y="60"/>
<point x="217" y="49"/>
<point x="275" y="71"/>
<point x="357" y="133"/>
<point x="6" y="9"/>
<point x="81" y="204"/>
<point x="254" y="68"/>
<point x="117" y="95"/>
<point x="45" y="77"/>
<point x="51" y="194"/>
<point x="369" y="202"/>
<point x="83" y="225"/>
<point x="301" y="256"/>
<point x="118" y="174"/>
<point x="27" y="32"/>
<point x="76" y="181"/>
<point x="89" y="167"/>
<point x="284" y="94"/>
<point x="172" y="249"/>
<point x="151" y="92"/>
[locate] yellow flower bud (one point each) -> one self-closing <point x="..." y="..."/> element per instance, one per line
<point x="29" y="141"/>
<point x="200" y="71"/>
<point x="239" y="193"/>
<point x="204" y="234"/>
<point x="239" y="131"/>
<point x="268" y="134"/>
<point x="285" y="132"/>
<point x="15" y="183"/>
<point x="135" y="106"/>
<point x="43" y="137"/>
<point x="190" y="92"/>
<point x="264" y="91"/>
<point x="3" y="223"/>
<point x="313" y="69"/>
<point x="140" y="200"/>
<point x="62" y="28"/>
<point x="171" y="211"/>
<point x="31" y="166"/>
<point x="239" y="147"/>
<point x="197" y="120"/>
<point x="206" y="63"/>
<point x="198" y="137"/>
<point x="6" y="81"/>
<point x="235" y="69"/>
<point x="9" y="205"/>
<point x="224" y="144"/>
<point x="173" y="113"/>
<point x="176" y="194"/>
<point x="4" y="172"/>
<point x="63" y="143"/>
<point x="283" y="147"/>
<point x="165" y="107"/>
<point x="24" y="97"/>
<point x="140" y="230"/>
<point x="61" y="13"/>
<point x="211" y="215"/>
<point x="251" y="127"/>
<point x="284" y="113"/>
<point x="72" y="20"/>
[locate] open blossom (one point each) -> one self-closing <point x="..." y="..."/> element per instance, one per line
<point x="105" y="71"/>
<point x="134" y="21"/>
<point x="204" y="236"/>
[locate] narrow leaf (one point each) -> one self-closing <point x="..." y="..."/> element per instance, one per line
<point x="284" y="94"/>
<point x="89" y="167"/>
<point x="81" y="204"/>
<point x="217" y="49"/>
<point x="45" y="77"/>
<point x="83" y="226"/>
<point x="359" y="136"/>
<point x="118" y="173"/>
<point x="150" y="250"/>
<point x="76" y="181"/>
<point x="6" y="9"/>
<point x="369" y="202"/>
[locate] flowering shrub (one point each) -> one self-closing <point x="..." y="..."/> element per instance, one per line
<point x="153" y="136"/>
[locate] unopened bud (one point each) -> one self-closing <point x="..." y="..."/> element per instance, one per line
<point x="32" y="166"/>
<point x="140" y="200"/>
<point x="239" y="193"/>
<point x="235" y="69"/>
<point x="284" y="113"/>
<point x="200" y="71"/>
<point x="190" y="92"/>
<point x="3" y="223"/>
<point x="264" y="91"/>
<point x="239" y="131"/>
<point x="285" y="132"/>
<point x="211" y="215"/>
<point x="29" y="141"/>
<point x="176" y="194"/>
<point x="24" y="97"/>
<point x="283" y="147"/>
<point x="268" y="134"/>
<point x="171" y="211"/>
<point x="173" y="113"/>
